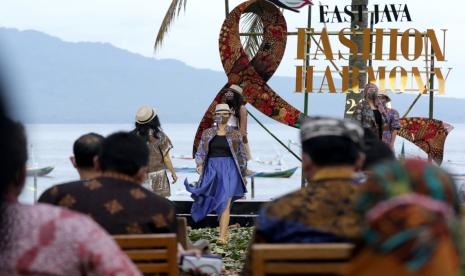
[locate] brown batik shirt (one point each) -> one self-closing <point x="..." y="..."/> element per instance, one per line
<point x="117" y="204"/>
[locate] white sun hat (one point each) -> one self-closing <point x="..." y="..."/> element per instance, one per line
<point x="145" y="114"/>
<point x="236" y="88"/>
<point x="222" y="108"/>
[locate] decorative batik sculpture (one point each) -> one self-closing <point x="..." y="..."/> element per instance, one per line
<point x="252" y="75"/>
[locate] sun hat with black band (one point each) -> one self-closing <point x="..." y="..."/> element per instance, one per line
<point x="145" y="114"/>
<point x="222" y="108"/>
<point x="325" y="126"/>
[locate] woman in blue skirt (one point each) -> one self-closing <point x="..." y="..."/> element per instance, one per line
<point x="221" y="162"/>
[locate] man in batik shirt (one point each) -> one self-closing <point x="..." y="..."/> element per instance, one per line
<point x="324" y="210"/>
<point x="117" y="200"/>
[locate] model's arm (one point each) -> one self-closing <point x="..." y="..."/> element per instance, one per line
<point x="201" y="153"/>
<point x="169" y="165"/>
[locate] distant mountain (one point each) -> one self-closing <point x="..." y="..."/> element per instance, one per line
<point x="62" y="82"/>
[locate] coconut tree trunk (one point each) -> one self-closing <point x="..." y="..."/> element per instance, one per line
<point x="353" y="98"/>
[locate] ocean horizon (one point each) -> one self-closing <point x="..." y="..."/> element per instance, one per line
<point x="51" y="145"/>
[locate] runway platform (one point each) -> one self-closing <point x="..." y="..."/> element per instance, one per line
<point x="243" y="211"/>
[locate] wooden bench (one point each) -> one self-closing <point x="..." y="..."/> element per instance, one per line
<point x="151" y="253"/>
<point x="304" y="259"/>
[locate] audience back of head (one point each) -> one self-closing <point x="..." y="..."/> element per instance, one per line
<point x="376" y="151"/>
<point x="124" y="153"/>
<point x="85" y="148"/>
<point x="13" y="158"/>
<point x="331" y="151"/>
<point x="331" y="142"/>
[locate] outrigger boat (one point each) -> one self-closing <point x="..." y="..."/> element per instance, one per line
<point x="39" y="171"/>
<point x="277" y="174"/>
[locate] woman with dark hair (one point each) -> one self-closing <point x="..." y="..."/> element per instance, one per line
<point x="222" y="163"/>
<point x="233" y="97"/>
<point x="148" y="127"/>
<point x="370" y="112"/>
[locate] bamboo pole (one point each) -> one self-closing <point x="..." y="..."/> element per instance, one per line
<point x="431" y="85"/>
<point x="411" y="106"/>
<point x="226" y="7"/>
<point x="307" y="63"/>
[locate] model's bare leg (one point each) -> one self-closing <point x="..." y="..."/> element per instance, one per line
<point x="224" y="223"/>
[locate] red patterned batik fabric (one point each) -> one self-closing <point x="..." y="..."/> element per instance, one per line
<point x="428" y="134"/>
<point x="46" y="240"/>
<point x="253" y="73"/>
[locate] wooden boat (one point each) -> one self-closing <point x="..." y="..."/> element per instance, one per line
<point x="39" y="171"/>
<point x="277" y="174"/>
<point x="185" y="170"/>
<point x="182" y="157"/>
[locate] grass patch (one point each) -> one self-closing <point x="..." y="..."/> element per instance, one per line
<point x="234" y="252"/>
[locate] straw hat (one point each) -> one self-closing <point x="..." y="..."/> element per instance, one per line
<point x="145" y="114"/>
<point x="222" y="108"/>
<point x="236" y="88"/>
<point x="386" y="96"/>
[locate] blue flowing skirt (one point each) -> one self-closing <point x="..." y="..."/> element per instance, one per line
<point x="221" y="180"/>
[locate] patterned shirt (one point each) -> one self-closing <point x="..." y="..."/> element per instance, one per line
<point x="365" y="115"/>
<point x="46" y="240"/>
<point x="392" y="123"/>
<point x="117" y="204"/>
<point x="324" y="211"/>
<point x="158" y="149"/>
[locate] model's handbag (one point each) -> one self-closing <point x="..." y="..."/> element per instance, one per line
<point x="208" y="264"/>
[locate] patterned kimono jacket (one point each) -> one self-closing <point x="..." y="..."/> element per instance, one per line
<point x="157" y="178"/>
<point x="392" y="123"/>
<point x="236" y="145"/>
<point x="365" y="115"/>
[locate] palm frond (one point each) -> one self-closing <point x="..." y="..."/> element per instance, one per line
<point x="173" y="11"/>
<point x="252" y="25"/>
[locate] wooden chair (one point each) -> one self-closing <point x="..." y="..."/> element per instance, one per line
<point x="304" y="259"/>
<point x="151" y="253"/>
<point x="182" y="231"/>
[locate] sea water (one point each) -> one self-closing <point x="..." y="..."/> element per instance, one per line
<point x="51" y="145"/>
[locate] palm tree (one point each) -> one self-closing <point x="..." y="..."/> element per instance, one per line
<point x="252" y="25"/>
<point x="354" y="61"/>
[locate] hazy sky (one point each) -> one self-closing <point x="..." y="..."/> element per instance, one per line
<point x="133" y="24"/>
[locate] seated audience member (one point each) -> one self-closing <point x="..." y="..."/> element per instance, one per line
<point x="117" y="200"/>
<point x="375" y="150"/>
<point x="411" y="226"/>
<point x="85" y="149"/>
<point x="323" y="211"/>
<point x="42" y="239"/>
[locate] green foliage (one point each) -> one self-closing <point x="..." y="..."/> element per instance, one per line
<point x="234" y="252"/>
